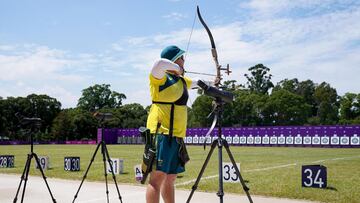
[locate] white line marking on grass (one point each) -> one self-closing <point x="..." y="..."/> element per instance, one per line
<point x="193" y="180"/>
<point x="268" y="168"/>
<point x="335" y="159"/>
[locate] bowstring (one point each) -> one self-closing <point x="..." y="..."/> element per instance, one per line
<point x="192" y="29"/>
<point x="188" y="45"/>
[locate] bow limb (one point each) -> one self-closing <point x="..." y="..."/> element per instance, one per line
<point x="213" y="49"/>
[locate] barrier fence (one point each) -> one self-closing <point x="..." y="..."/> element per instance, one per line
<point x="297" y="136"/>
<point x="20" y="142"/>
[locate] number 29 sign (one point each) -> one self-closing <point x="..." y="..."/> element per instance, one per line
<point x="314" y="176"/>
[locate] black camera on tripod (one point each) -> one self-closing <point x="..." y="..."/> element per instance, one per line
<point x="28" y="122"/>
<point x="103" y="116"/>
<point x="31" y="122"/>
<point x="223" y="95"/>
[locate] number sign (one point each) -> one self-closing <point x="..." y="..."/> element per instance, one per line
<point x="314" y="176"/>
<point x="117" y="164"/>
<point x="44" y="162"/>
<point x="229" y="172"/>
<point x="72" y="163"/>
<point x="138" y="173"/>
<point x="7" y="161"/>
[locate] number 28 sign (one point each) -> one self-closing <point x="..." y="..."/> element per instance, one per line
<point x="314" y="176"/>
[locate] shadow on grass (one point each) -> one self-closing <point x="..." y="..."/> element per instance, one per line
<point x="331" y="188"/>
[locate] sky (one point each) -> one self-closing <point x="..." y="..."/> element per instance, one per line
<point x="59" y="48"/>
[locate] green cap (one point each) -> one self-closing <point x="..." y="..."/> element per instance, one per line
<point x="172" y="53"/>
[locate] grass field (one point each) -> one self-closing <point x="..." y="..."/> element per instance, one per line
<point x="267" y="171"/>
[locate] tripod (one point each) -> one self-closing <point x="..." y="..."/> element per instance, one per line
<point x="106" y="157"/>
<point x="219" y="142"/>
<point x="34" y="124"/>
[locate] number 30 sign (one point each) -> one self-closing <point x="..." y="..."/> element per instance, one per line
<point x="314" y="176"/>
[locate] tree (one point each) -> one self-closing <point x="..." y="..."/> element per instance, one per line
<point x="10" y="107"/>
<point x="230" y="85"/>
<point x="289" y="85"/>
<point x="191" y="122"/>
<point x="100" y="96"/>
<point x="327" y="100"/>
<point x="349" y="108"/>
<point x="288" y="108"/>
<point x="40" y="106"/>
<point x="2" y="117"/>
<point x="249" y="109"/>
<point x="44" y="107"/>
<point x="131" y="115"/>
<point x="201" y="108"/>
<point x="74" y="124"/>
<point x="259" y="80"/>
<point x="62" y="128"/>
<point x="307" y="90"/>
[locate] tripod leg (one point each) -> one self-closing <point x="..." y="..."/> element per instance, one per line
<point x="194" y="187"/>
<point x="112" y="172"/>
<point x="105" y="171"/>
<point x="30" y="156"/>
<point x="246" y="189"/>
<point x="87" y="170"/>
<point x="44" y="177"/>
<point x="22" y="178"/>
<point x="220" y="192"/>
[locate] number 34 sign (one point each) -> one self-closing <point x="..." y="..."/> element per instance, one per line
<point x="314" y="176"/>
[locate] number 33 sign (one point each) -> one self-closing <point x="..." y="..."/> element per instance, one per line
<point x="229" y="172"/>
<point x="314" y="176"/>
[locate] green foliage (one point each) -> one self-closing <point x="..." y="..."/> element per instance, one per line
<point x="349" y="106"/>
<point x="131" y="115"/>
<point x="2" y="117"/>
<point x="74" y="124"/>
<point x="306" y="89"/>
<point x="249" y="109"/>
<point x="326" y="99"/>
<point x="100" y="96"/>
<point x="288" y="108"/>
<point x="39" y="106"/>
<point x="201" y="108"/>
<point x="289" y="85"/>
<point x="259" y="80"/>
<point x="191" y="122"/>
